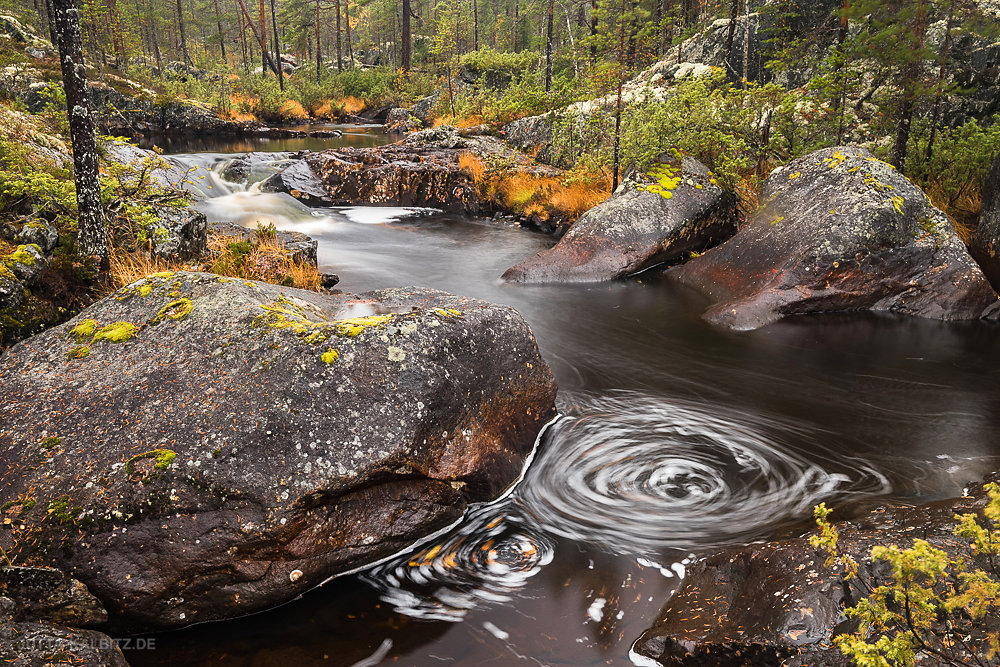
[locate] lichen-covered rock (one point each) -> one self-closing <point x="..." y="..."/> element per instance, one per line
<point x="839" y="230"/>
<point x="777" y="603"/>
<point x="46" y="594"/>
<point x="11" y="291"/>
<point x="531" y="135"/>
<point x="985" y="242"/>
<point x="399" y="121"/>
<point x="180" y="233"/>
<point x="298" y="180"/>
<point x="40" y="234"/>
<point x="46" y="644"/>
<point x="26" y="262"/>
<point x="195" y="447"/>
<point x="654" y="217"/>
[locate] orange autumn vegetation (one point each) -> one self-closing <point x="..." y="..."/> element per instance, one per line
<point x="264" y="258"/>
<point x="461" y="122"/>
<point x="531" y="195"/>
<point x="292" y="110"/>
<point x="332" y="109"/>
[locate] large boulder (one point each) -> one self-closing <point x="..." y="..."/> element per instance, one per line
<point x="196" y="447"/>
<point x="532" y="135"/>
<point x="251" y="166"/>
<point x="180" y="233"/>
<point x="985" y="242"/>
<point x="839" y="230"/>
<point x="654" y="217"/>
<point x="299" y="181"/>
<point x="42" y="593"/>
<point x="424" y="169"/>
<point x="779" y="603"/>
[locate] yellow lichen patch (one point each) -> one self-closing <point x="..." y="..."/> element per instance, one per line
<point x="80" y="352"/>
<point x="176" y="310"/>
<point x="84" y="329"/>
<point x="897" y="203"/>
<point x="664" y="179"/>
<point x="163" y="274"/>
<point x="354" y="326"/>
<point x="145" y="289"/>
<point x="330" y="356"/>
<point x="794" y="176"/>
<point x="116" y="332"/>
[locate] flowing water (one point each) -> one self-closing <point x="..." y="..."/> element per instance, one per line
<point x="675" y="439"/>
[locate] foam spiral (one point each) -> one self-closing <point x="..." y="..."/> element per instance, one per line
<point x="638" y="474"/>
<point x="486" y="559"/>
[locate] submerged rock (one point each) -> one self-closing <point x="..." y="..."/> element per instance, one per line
<point x="652" y="218"/>
<point x="778" y="603"/>
<point x="241" y="168"/>
<point x="839" y="230"/>
<point x="985" y="242"/>
<point x="195" y="447"/>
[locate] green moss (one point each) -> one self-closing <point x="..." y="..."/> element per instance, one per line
<point x="145" y="289"/>
<point x="330" y="356"/>
<point x="22" y="256"/>
<point x="79" y="352"/>
<point x="50" y="442"/>
<point x="176" y="310"/>
<point x="84" y="329"/>
<point x="163" y="274"/>
<point x="60" y="511"/>
<point x="117" y="332"/>
<point x="163" y="458"/>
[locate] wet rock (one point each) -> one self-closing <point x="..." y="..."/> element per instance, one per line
<point x="329" y="280"/>
<point x="298" y="180"/>
<point x="985" y="242"/>
<point x="180" y="233"/>
<point x="424" y="109"/>
<point x="241" y="442"/>
<point x="421" y="170"/>
<point x="839" y="230"/>
<point x="325" y="134"/>
<point x="46" y="594"/>
<point x="653" y="218"/>
<point x="162" y="172"/>
<point x="40" y="234"/>
<point x="777" y="603"/>
<point x="301" y="246"/>
<point x="45" y="644"/>
<point x="241" y="168"/>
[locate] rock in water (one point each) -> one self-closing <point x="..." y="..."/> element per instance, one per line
<point x="839" y="230"/>
<point x="985" y="243"/>
<point x="197" y="447"/>
<point x="43" y="644"/>
<point x="298" y="180"/>
<point x="652" y="218"/>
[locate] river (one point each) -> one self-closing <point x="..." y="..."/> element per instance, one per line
<point x="675" y="439"/>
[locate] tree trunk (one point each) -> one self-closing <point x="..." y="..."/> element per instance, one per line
<point x="52" y="22"/>
<point x="593" y="33"/>
<point x="942" y="81"/>
<point x="404" y="56"/>
<point x="156" y="43"/>
<point x="548" y="48"/>
<point x="616" y="154"/>
<point x="340" y="59"/>
<point x="734" y="14"/>
<point x="347" y="34"/>
<point x="218" y="23"/>
<point x="909" y="79"/>
<point x="517" y="28"/>
<point x="475" y="25"/>
<point x="277" y="48"/>
<point x="319" y="57"/>
<point x="180" y="27"/>
<point x="92" y="237"/>
<point x="746" y="41"/>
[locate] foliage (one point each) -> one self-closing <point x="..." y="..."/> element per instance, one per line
<point x="932" y="603"/>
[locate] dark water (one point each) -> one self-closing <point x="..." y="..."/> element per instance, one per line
<point x="359" y="136"/>
<point x="677" y="438"/>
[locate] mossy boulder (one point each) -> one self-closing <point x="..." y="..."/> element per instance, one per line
<point x="654" y="217"/>
<point x="839" y="230"/>
<point x="224" y="461"/>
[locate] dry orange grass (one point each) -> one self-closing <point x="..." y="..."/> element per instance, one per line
<point x="351" y="104"/>
<point x="292" y="110"/>
<point x="963" y="211"/>
<point x="268" y="261"/>
<point x="532" y="195"/>
<point x="324" y="109"/>
<point x="461" y="122"/>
